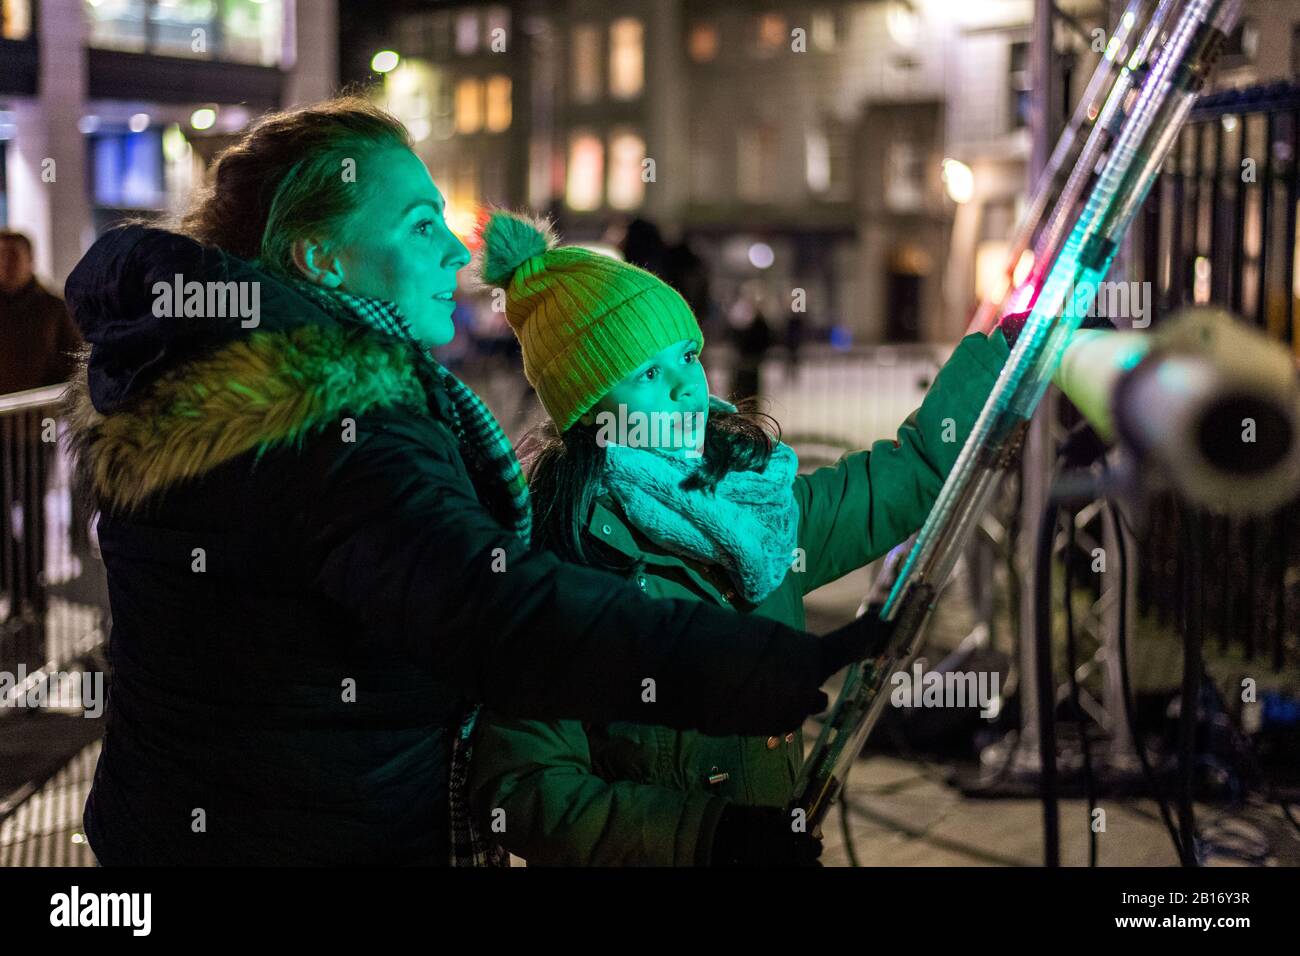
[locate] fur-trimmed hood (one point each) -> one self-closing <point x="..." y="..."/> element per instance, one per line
<point x="156" y="402"/>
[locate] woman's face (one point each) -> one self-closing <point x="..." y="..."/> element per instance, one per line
<point x="671" y="380"/>
<point x="401" y="248"/>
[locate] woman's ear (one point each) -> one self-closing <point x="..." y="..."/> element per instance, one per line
<point x="317" y="264"/>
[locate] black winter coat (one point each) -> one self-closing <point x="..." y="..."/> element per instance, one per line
<point x="306" y="590"/>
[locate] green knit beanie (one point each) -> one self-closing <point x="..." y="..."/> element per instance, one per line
<point x="584" y="320"/>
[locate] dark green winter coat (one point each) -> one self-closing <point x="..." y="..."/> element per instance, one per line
<point x="574" y="793"/>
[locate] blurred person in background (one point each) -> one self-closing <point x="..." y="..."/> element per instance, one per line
<point x="752" y="337"/>
<point x="38" y="343"/>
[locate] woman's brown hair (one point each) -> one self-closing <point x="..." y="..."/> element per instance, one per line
<point x="294" y="174"/>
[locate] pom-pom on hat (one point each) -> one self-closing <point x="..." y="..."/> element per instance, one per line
<point x="584" y="320"/>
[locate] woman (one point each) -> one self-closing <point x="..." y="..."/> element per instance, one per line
<point x="317" y="540"/>
<point x="713" y="513"/>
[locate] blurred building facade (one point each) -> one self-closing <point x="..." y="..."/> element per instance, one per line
<point x="862" y="160"/>
<point x="798" y="148"/>
<point x="113" y="108"/>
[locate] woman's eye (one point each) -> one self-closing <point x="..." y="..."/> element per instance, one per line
<point x="425" y="228"/>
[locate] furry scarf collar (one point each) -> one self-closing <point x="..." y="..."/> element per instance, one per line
<point x="268" y="389"/>
<point x="748" y="525"/>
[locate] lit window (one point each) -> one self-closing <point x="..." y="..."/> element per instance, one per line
<point x="460" y="187"/>
<point x="626" y="185"/>
<point x="15" y="19"/>
<point x="466" y="32"/>
<point x="251" y="31"/>
<point x="822" y="33"/>
<point x="902" y="22"/>
<point x="626" y="58"/>
<point x="586" y="63"/>
<point x="826" y="160"/>
<point x="469" y="105"/>
<point x="408" y="94"/>
<point x="817" y="160"/>
<point x="241" y="31"/>
<point x="586" y="172"/>
<point x="183" y="28"/>
<point x="905" y="176"/>
<point x="116" y="24"/>
<point x="770" y="33"/>
<point x="498" y="103"/>
<point x="702" y="42"/>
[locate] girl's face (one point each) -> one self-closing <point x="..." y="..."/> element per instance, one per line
<point x="401" y="249"/>
<point x="671" y="380"/>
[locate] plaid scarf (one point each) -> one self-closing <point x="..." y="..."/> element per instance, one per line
<point x="500" y="484"/>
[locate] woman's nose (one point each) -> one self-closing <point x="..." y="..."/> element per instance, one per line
<point x="457" y="256"/>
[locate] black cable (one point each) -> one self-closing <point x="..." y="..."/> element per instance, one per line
<point x="1191" y="690"/>
<point x="1089" y="785"/>
<point x="844" y="828"/>
<point x="1045" y="688"/>
<point x="1130" y="717"/>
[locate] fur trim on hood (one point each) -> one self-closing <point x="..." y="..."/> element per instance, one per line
<point x="257" y="392"/>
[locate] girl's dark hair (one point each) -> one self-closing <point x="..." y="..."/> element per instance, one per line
<point x="289" y="178"/>
<point x="564" y="475"/>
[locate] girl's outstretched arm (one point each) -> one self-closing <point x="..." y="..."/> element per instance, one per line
<point x="854" y="511"/>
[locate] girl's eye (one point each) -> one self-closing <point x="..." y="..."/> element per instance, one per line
<point x="651" y="373"/>
<point x="690" y="356"/>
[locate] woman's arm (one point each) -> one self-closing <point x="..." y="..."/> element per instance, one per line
<point x="535" y="792"/>
<point x="856" y="510"/>
<point x="400" y="542"/>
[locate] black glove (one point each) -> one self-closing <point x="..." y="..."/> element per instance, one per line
<point x="761" y="836"/>
<point x="1012" y="325"/>
<point x="861" y="638"/>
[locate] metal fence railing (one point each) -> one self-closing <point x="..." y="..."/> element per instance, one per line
<point x="53" y="604"/>
<point x="1220" y="227"/>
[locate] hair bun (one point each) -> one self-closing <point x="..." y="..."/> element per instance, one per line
<point x="508" y="240"/>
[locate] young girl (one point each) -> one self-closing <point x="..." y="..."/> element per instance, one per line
<point x="719" y="516"/>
